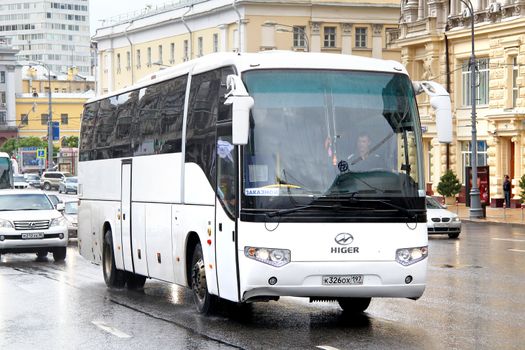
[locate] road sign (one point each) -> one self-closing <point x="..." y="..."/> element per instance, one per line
<point x="56" y="131"/>
<point x="41" y="153"/>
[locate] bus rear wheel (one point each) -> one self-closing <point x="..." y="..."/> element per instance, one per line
<point x="354" y="305"/>
<point x="112" y="276"/>
<point x="205" y="302"/>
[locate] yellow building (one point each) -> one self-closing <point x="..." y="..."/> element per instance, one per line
<point x="435" y="43"/>
<point x="135" y="47"/>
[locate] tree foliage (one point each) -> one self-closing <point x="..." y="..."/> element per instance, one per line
<point x="70" y="141"/>
<point x="13" y="144"/>
<point x="449" y="184"/>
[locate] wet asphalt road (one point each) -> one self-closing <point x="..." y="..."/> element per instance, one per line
<point x="475" y="299"/>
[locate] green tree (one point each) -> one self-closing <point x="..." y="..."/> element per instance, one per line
<point x="70" y="141"/>
<point x="522" y="186"/>
<point x="449" y="184"/>
<point x="11" y="145"/>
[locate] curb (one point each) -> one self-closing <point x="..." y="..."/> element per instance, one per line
<point x="482" y="221"/>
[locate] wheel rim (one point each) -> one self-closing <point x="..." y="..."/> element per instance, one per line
<point x="198" y="277"/>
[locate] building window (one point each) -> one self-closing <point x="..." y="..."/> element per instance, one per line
<point x="299" y="39"/>
<point x="360" y="37"/>
<point x="128" y="60"/>
<point x="64" y="120"/>
<point x="118" y="63"/>
<point x="2" y="77"/>
<point x="515" y="72"/>
<point x="215" y="42"/>
<point x="482" y="82"/>
<point x="329" y="36"/>
<point x="24" y="119"/>
<point x="466" y="156"/>
<point x="3" y="119"/>
<point x="43" y="119"/>
<point x="172" y="53"/>
<point x="2" y="97"/>
<point x="186" y="48"/>
<point x="199" y="46"/>
<point x="148" y="62"/>
<point x="138" y="58"/>
<point x="160" y="54"/>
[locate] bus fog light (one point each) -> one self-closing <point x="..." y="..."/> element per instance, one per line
<point x="408" y="279"/>
<point x="272" y="281"/>
<point x="61" y="235"/>
<point x="271" y="256"/>
<point x="409" y="256"/>
<point x="2" y="238"/>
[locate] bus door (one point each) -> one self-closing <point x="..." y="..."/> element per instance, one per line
<point x="226" y="203"/>
<point x="125" y="214"/>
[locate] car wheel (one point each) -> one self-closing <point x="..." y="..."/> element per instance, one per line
<point x="41" y="254"/>
<point x="112" y="276"/>
<point x="59" y="254"/>
<point x="47" y="186"/>
<point x="354" y="305"/>
<point x="135" y="281"/>
<point x="453" y="235"/>
<point x="205" y="302"/>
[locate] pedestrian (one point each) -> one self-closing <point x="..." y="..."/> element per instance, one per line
<point x="506" y="191"/>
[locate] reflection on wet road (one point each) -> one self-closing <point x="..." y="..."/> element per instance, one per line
<point x="475" y="299"/>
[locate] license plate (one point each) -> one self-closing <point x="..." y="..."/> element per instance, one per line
<point x="33" y="235"/>
<point x="343" y="280"/>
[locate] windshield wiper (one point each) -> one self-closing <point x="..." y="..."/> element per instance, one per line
<point x="295" y="209"/>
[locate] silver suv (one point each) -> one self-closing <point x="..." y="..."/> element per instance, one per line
<point x="51" y="179"/>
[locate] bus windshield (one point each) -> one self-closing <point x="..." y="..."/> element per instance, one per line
<point x="319" y="133"/>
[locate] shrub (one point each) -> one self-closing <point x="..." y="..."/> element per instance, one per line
<point x="449" y="184"/>
<point x="522" y="186"/>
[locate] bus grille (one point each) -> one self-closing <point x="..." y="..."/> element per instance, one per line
<point x="31" y="225"/>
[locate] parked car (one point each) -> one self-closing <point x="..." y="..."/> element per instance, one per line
<point x="19" y="181"/>
<point x="55" y="200"/>
<point x="440" y="220"/>
<point x="71" y="215"/>
<point x="51" y="179"/>
<point x="68" y="184"/>
<point x="33" y="180"/>
<point x="29" y="223"/>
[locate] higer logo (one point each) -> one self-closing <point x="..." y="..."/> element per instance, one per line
<point x="344" y="239"/>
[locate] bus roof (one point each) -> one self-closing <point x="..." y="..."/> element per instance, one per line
<point x="272" y="59"/>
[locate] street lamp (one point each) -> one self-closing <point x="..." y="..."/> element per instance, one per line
<point x="475" y="201"/>
<point x="50" y="115"/>
<point x="300" y="29"/>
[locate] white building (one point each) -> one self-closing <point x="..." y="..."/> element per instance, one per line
<point x="56" y="33"/>
<point x="10" y="84"/>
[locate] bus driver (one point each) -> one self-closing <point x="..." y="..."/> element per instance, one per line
<point x="365" y="158"/>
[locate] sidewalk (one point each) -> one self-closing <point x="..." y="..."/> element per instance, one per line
<point x="494" y="215"/>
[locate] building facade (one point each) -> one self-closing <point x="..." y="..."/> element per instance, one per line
<point x="435" y="42"/>
<point x="131" y="48"/>
<point x="9" y="84"/>
<point x="56" y="33"/>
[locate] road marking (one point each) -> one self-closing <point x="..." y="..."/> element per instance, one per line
<point x="326" y="347"/>
<point x="509" y="239"/>
<point x="517" y="250"/>
<point x="110" y="329"/>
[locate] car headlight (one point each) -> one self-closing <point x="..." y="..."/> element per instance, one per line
<point x="61" y="221"/>
<point x="5" y="224"/>
<point x="270" y="256"/>
<point x="456" y="219"/>
<point x="409" y="256"/>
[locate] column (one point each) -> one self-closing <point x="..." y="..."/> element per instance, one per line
<point x="315" y="42"/>
<point x="421" y="10"/>
<point x="223" y="37"/>
<point x="10" y="96"/>
<point x="100" y="71"/>
<point x="435" y="163"/>
<point x="453" y="7"/>
<point x="243" y="35"/>
<point x="110" y="69"/>
<point x="346" y="37"/>
<point x="377" y="40"/>
<point x="517" y="166"/>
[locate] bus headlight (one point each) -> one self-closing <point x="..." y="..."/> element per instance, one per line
<point x="5" y="224"/>
<point x="409" y="256"/>
<point x="271" y="256"/>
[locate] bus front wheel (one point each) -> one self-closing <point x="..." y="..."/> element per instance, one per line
<point x="112" y="276"/>
<point x="204" y="301"/>
<point x="354" y="305"/>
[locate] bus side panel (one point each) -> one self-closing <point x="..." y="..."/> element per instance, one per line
<point x="178" y="239"/>
<point x="200" y="218"/>
<point x="102" y="212"/>
<point x="197" y="188"/>
<point x="158" y="241"/>
<point x="138" y="241"/>
<point x="166" y="169"/>
<point x="85" y="234"/>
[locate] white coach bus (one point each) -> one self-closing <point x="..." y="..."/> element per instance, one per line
<point x="247" y="177"/>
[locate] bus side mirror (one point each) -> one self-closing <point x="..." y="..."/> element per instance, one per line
<point x="241" y="105"/>
<point x="440" y="102"/>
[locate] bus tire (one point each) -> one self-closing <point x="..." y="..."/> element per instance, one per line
<point x="205" y="302"/>
<point x="135" y="281"/>
<point x="113" y="277"/>
<point x="59" y="254"/>
<point x="354" y="305"/>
